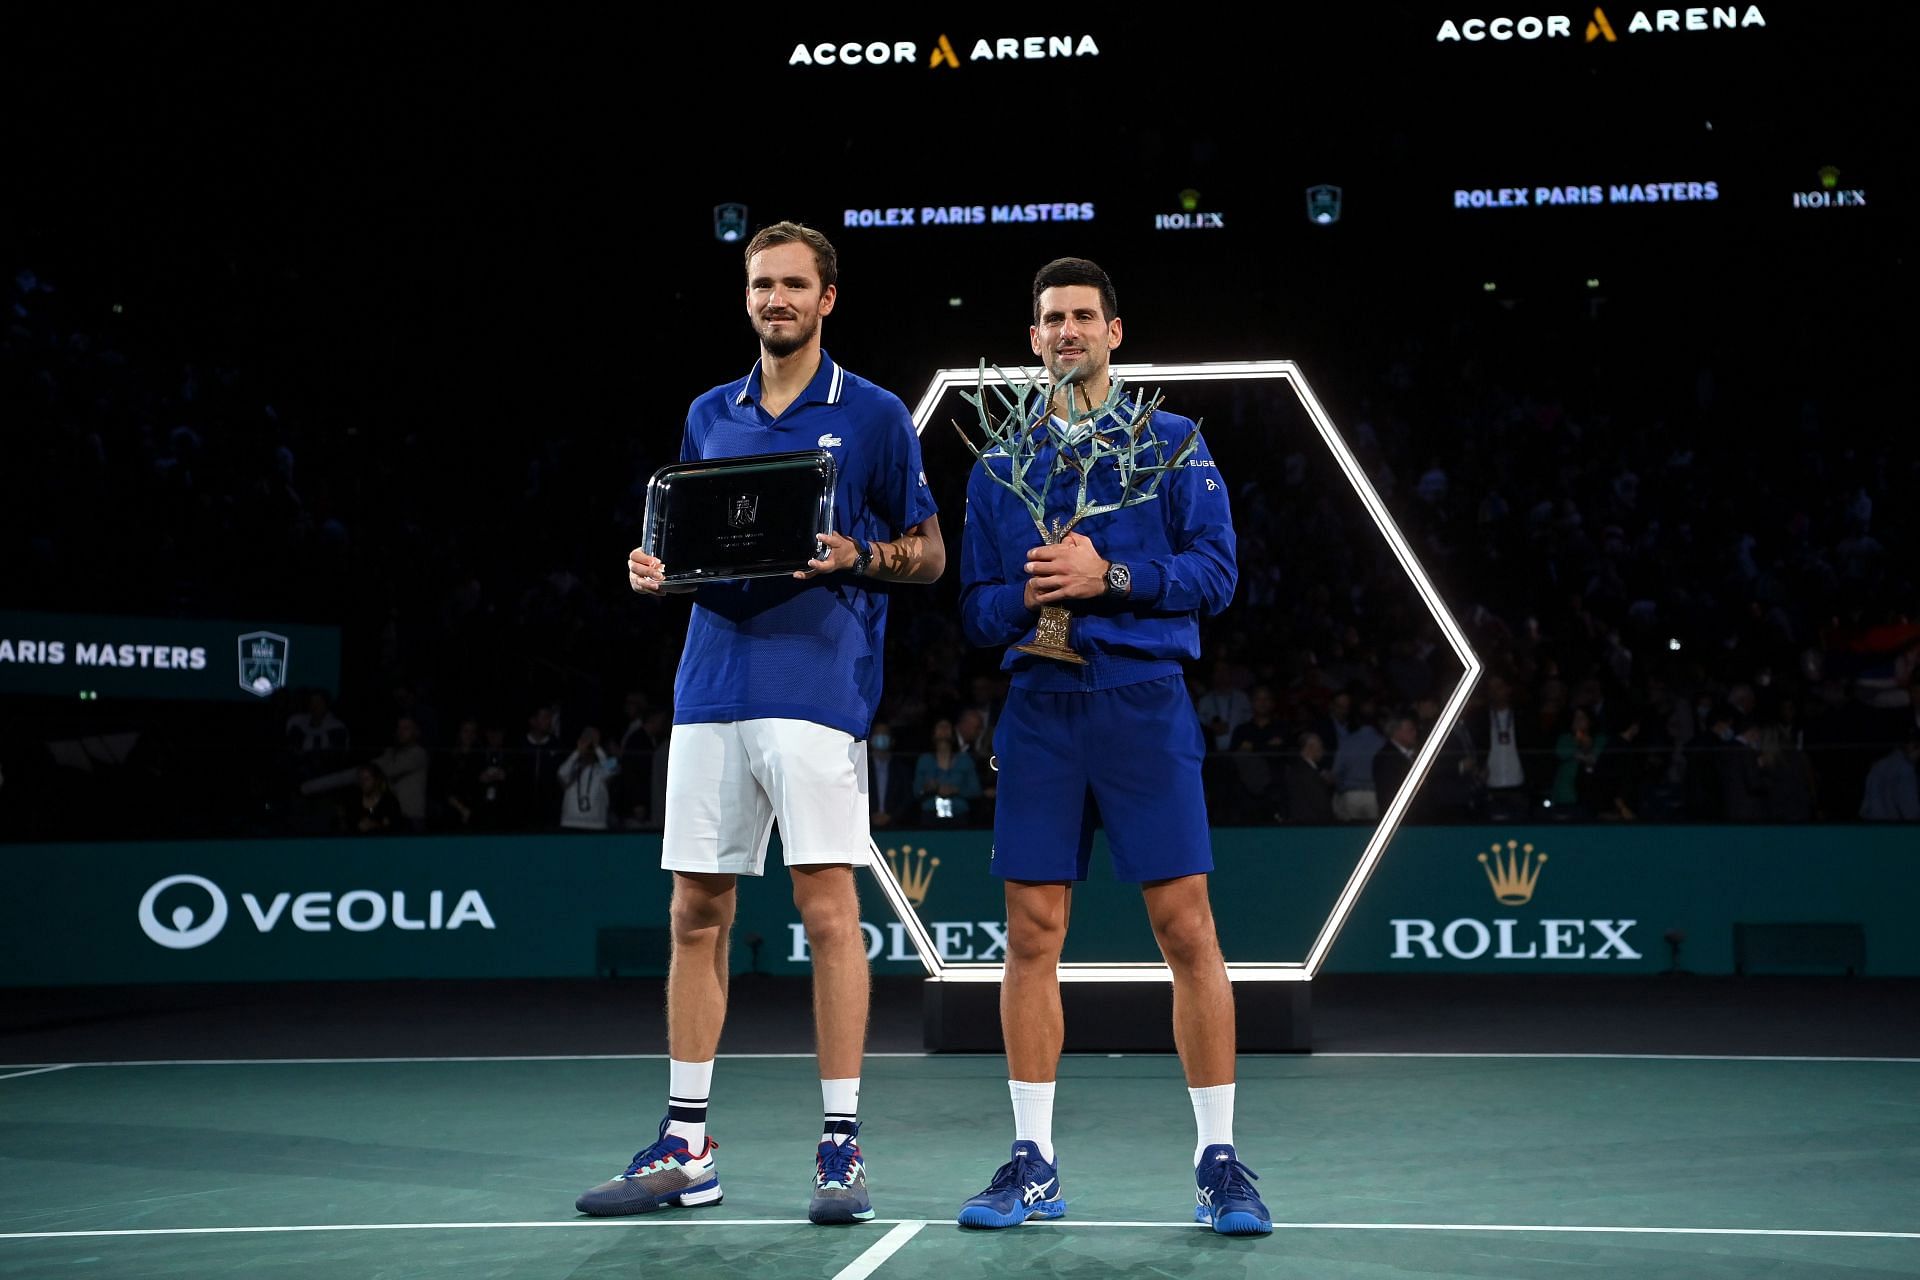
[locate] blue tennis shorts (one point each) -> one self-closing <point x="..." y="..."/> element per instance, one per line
<point x="1127" y="758"/>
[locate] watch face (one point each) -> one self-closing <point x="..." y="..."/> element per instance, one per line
<point x="1119" y="578"/>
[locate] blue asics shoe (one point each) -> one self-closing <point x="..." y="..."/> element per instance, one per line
<point x="840" y="1183"/>
<point x="1024" y="1187"/>
<point x="1227" y="1200"/>
<point x="663" y="1176"/>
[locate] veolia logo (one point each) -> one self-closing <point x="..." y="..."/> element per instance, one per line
<point x="318" y="911"/>
<point x="182" y="934"/>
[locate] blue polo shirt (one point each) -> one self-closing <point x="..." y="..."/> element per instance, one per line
<point x="782" y="647"/>
<point x="1179" y="548"/>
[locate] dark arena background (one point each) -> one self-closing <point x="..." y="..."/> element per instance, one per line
<point x="339" y="348"/>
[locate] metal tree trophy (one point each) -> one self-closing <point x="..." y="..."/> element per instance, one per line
<point x="1118" y="428"/>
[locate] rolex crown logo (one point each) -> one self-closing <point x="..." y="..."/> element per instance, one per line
<point x="914" y="870"/>
<point x="1513" y="870"/>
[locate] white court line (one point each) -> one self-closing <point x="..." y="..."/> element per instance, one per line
<point x="1631" y="1057"/>
<point x="654" y="1224"/>
<point x="1527" y="1228"/>
<point x="37" y="1071"/>
<point x="312" y="1228"/>
<point x="479" y="1057"/>
<point x="745" y="1057"/>
<point x="888" y="1245"/>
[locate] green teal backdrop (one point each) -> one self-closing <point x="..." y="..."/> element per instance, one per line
<point x="1444" y="899"/>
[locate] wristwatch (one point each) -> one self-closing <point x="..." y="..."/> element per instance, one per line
<point x="1119" y="582"/>
<point x="862" y="555"/>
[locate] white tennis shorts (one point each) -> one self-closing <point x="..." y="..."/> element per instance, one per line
<point x="728" y="782"/>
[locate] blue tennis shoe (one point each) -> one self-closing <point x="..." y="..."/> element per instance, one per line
<point x="1226" y="1200"/>
<point x="1024" y="1187"/>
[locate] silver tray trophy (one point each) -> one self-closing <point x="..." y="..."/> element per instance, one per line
<point x="759" y="516"/>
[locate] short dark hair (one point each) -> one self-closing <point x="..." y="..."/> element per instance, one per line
<point x="795" y="233"/>
<point x="1067" y="271"/>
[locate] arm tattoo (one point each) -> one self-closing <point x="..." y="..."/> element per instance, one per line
<point x="912" y="557"/>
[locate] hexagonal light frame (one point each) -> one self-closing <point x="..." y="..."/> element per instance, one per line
<point x="1291" y="971"/>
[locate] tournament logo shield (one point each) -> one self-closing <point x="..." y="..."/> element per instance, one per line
<point x="1323" y="204"/>
<point x="263" y="662"/>
<point x="744" y="511"/>
<point x="729" y="222"/>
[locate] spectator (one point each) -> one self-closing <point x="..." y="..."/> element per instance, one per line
<point x="945" y="779"/>
<point x="1505" y="769"/>
<point x="1893" y="785"/>
<point x="1704" y="755"/>
<point x="536" y="784"/>
<point x="318" y="741"/>
<point x="404" y="766"/>
<point x="1579" y="788"/>
<point x="410" y="704"/>
<point x="1743" y="784"/>
<point x="646" y="731"/>
<point x="586" y="796"/>
<point x="635" y="737"/>
<point x="1306" y="785"/>
<point x="317" y="733"/>
<point x="1258" y="746"/>
<point x="969" y="734"/>
<point x="1613" y="783"/>
<point x="890" y="790"/>
<point x="1262" y="734"/>
<point x="1354" y="796"/>
<point x="1455" y="789"/>
<point x="376" y="812"/>
<point x="988" y="695"/>
<point x="1393" y="762"/>
<point x="464" y="766"/>
<point x="1788" y="777"/>
<point x="498" y="806"/>
<point x="1224" y="707"/>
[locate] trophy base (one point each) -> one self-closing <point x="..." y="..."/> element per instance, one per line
<point x="1117" y="1017"/>
<point x="1055" y="652"/>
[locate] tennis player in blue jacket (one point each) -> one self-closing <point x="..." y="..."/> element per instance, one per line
<point x="1116" y="739"/>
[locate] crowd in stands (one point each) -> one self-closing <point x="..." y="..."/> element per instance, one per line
<point x="1694" y="604"/>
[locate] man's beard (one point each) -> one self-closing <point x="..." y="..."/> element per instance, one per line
<point x="781" y="346"/>
<point x="1076" y="380"/>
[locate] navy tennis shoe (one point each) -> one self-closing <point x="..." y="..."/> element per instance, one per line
<point x="1024" y="1187"/>
<point x="1227" y="1201"/>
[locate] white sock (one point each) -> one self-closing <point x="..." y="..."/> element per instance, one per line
<point x="840" y="1108"/>
<point x="689" y="1084"/>
<point x="1212" y="1116"/>
<point x="1033" y="1115"/>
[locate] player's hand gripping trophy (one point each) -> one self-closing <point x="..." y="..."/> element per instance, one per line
<point x="1119" y="430"/>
